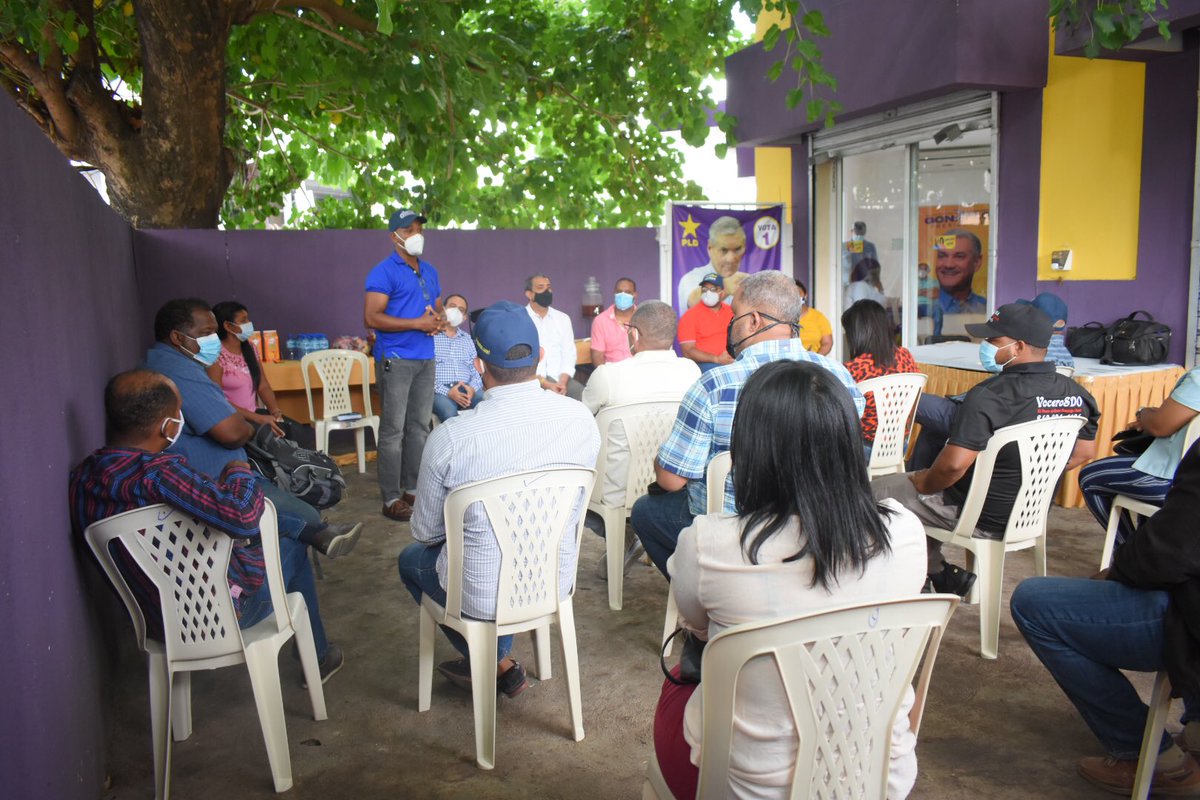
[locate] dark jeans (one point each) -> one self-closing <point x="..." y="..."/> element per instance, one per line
<point x="406" y="395"/>
<point x="1085" y="632"/>
<point x="297" y="519"/>
<point x="297" y="577"/>
<point x="658" y="519"/>
<point x="936" y="415"/>
<point x="444" y="408"/>
<point x="418" y="571"/>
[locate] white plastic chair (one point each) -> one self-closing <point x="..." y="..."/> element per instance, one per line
<point x="188" y="563"/>
<point x="895" y="398"/>
<point x="845" y="672"/>
<point x="714" y="483"/>
<point x="646" y="425"/>
<point x="1156" y="722"/>
<point x="1045" y="446"/>
<point x="529" y="512"/>
<point x="333" y="367"/>
<point x="1138" y="508"/>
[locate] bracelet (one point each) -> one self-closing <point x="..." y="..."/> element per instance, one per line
<point x="1138" y="413"/>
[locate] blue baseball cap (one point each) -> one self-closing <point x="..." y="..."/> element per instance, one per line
<point x="1049" y="304"/>
<point x="403" y="218"/>
<point x="713" y="278"/>
<point x="501" y="327"/>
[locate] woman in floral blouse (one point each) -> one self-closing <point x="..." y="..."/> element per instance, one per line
<point x="873" y="352"/>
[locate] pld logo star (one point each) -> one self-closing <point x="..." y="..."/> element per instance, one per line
<point x="689" y="237"/>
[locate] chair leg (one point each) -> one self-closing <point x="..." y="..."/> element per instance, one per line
<point x="541" y="652"/>
<point x="263" y="666"/>
<point x="1156" y="720"/>
<point x="181" y="706"/>
<point x="1110" y="536"/>
<point x="360" y="441"/>
<point x="160" y="723"/>
<point x="614" y="539"/>
<point x="318" y="570"/>
<point x="1039" y="555"/>
<point x="570" y="652"/>
<point x="481" y="643"/>
<point x="671" y="621"/>
<point x="425" y="662"/>
<point x="322" y="436"/>
<point x="302" y="626"/>
<point x="990" y="560"/>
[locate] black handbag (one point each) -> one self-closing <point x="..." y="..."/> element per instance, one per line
<point x="1131" y="442"/>
<point x="690" y="655"/>
<point x="1087" y="341"/>
<point x="1136" y="341"/>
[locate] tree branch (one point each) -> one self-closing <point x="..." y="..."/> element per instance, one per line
<point x="331" y="12"/>
<point x="62" y="116"/>
<point x="265" y="111"/>
<point x="332" y="34"/>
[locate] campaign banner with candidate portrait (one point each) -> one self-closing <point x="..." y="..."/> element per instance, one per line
<point x="692" y="258"/>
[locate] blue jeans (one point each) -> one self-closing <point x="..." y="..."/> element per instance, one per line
<point x="418" y="571"/>
<point x="1101" y="481"/>
<point x="936" y="415"/>
<point x="297" y="577"/>
<point x="1085" y="632"/>
<point x="444" y="408"/>
<point x="658" y="519"/>
<point x="705" y="366"/>
<point x="297" y="519"/>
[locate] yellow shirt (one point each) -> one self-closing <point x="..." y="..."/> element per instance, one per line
<point x="814" y="326"/>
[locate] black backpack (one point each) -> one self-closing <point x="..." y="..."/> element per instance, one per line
<point x="1136" y="341"/>
<point x="309" y="475"/>
<point x="1087" y="341"/>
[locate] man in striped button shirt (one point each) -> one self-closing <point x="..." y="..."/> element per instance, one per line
<point x="518" y="427"/>
<point x="766" y="306"/>
<point x="456" y="384"/>
<point x="143" y="418"/>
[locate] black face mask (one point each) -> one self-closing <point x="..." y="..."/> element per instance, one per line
<point x="544" y="299"/>
<point x="731" y="346"/>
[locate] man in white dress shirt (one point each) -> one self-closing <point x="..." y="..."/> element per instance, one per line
<point x="654" y="373"/>
<point x="517" y="427"/>
<point x="556" y="370"/>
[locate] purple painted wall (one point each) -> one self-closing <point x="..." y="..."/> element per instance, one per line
<point x="312" y="281"/>
<point x="68" y="325"/>
<point x="1168" y="158"/>
<point x="930" y="47"/>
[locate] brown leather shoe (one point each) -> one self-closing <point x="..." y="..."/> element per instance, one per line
<point x="410" y="498"/>
<point x="1116" y="776"/>
<point x="1189" y="739"/>
<point x="398" y="510"/>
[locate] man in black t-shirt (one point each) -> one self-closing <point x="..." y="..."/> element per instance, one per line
<point x="1027" y="388"/>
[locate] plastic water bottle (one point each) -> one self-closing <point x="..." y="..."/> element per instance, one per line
<point x="322" y="341"/>
<point x="293" y="349"/>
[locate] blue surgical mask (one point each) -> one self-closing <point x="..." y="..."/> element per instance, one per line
<point x="247" y="331"/>
<point x="623" y="301"/>
<point x="987" y="356"/>
<point x="210" y="348"/>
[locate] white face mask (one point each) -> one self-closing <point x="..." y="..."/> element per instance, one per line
<point x="178" y="431"/>
<point x="415" y="244"/>
<point x="246" y="332"/>
<point x="454" y="316"/>
<point x="710" y="299"/>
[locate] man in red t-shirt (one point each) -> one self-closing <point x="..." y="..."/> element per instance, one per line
<point x="703" y="328"/>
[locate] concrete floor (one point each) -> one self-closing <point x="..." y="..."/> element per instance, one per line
<point x="992" y="729"/>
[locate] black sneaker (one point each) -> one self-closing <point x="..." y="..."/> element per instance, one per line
<point x="333" y="661"/>
<point x="952" y="580"/>
<point x="336" y="540"/>
<point x="458" y="672"/>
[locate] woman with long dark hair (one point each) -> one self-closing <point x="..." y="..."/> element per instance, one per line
<point x="238" y="371"/>
<point x="808" y="536"/>
<point x="873" y="352"/>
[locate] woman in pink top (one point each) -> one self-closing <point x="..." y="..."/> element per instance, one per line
<point x="237" y="369"/>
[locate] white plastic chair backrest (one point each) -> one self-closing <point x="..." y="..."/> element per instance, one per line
<point x="845" y="672"/>
<point x="647" y="425"/>
<point x="895" y="397"/>
<point x="1045" y="446"/>
<point x="1192" y="433"/>
<point x="529" y="513"/>
<point x="714" y="481"/>
<point x="1064" y="370"/>
<point x="188" y="563"/>
<point x="333" y="368"/>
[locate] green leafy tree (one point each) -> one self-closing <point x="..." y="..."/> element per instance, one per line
<point x="506" y="112"/>
<point x="1111" y="25"/>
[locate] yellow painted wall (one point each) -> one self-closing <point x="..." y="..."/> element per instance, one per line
<point x="1091" y="167"/>
<point x="773" y="165"/>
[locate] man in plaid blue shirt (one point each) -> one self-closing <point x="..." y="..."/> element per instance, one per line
<point x="456" y="384"/>
<point x="766" y="308"/>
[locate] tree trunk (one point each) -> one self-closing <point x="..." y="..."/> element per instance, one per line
<point x="173" y="171"/>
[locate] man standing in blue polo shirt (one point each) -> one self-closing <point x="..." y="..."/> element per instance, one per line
<point x="404" y="307"/>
